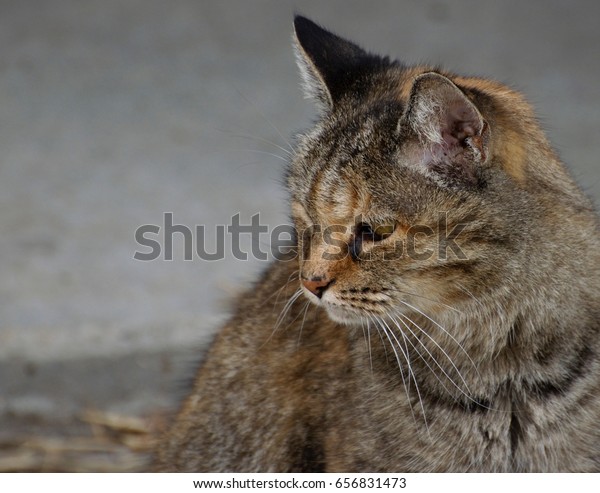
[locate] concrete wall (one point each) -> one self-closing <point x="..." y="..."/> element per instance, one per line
<point x="115" y="112"/>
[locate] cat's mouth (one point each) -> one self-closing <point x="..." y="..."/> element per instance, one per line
<point x="337" y="311"/>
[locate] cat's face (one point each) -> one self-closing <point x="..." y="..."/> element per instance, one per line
<point x="388" y="191"/>
<point x="374" y="234"/>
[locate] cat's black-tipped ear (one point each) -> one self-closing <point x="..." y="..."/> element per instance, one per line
<point x="453" y="135"/>
<point x="327" y="63"/>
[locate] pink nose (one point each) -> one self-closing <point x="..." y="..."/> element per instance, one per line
<point x="317" y="285"/>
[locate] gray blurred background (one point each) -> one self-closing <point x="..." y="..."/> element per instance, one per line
<point x="115" y="112"/>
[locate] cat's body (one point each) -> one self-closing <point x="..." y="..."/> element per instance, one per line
<point x="457" y="326"/>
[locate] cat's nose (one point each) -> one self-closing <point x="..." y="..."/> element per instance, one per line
<point x="317" y="285"/>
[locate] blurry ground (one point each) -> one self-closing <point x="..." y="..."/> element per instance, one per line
<point x="115" y="112"/>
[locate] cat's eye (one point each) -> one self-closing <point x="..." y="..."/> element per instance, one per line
<point x="375" y="232"/>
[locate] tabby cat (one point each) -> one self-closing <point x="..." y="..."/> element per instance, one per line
<point x="443" y="311"/>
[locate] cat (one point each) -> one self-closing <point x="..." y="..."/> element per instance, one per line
<point x="443" y="310"/>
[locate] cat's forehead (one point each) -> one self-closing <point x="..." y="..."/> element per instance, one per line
<point x="349" y="141"/>
<point x="337" y="149"/>
<point x="340" y="182"/>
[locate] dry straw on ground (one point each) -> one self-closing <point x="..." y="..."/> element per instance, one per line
<point x="109" y="443"/>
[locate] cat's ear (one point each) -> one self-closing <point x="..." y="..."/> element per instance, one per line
<point x="326" y="61"/>
<point x="452" y="135"/>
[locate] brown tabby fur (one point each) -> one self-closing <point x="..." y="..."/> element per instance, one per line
<point x="487" y="361"/>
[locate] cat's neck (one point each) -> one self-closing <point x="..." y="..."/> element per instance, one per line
<point x="517" y="353"/>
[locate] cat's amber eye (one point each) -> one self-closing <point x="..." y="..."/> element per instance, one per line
<point x="375" y="232"/>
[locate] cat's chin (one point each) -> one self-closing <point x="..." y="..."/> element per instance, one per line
<point x="343" y="315"/>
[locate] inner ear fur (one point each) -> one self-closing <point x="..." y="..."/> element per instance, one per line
<point x="452" y="133"/>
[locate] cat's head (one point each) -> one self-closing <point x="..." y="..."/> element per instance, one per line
<point x="412" y="191"/>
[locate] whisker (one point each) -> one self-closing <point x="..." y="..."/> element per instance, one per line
<point x="429" y="353"/>
<point x="445" y="331"/>
<point x="369" y="343"/>
<point x="295" y="297"/>
<point x="426" y="298"/>
<point x="284" y="312"/>
<point x="266" y="119"/>
<point x="378" y="326"/>
<point x="469" y="397"/>
<point x="362" y="326"/>
<point x="431" y="356"/>
<point x="278" y="292"/>
<point x="258" y="151"/>
<point x="410" y="372"/>
<point x="462" y="288"/>
<point x="305" y="310"/>
<point x="373" y="319"/>
<point x="407" y="352"/>
<point x="266" y="141"/>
